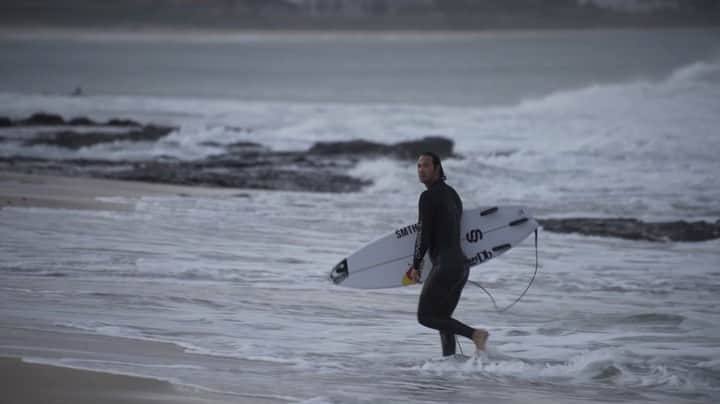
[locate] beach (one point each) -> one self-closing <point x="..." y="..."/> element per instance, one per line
<point x="169" y="232"/>
<point x="33" y="382"/>
<point x="55" y="192"/>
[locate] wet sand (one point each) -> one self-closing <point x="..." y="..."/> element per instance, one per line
<point x="28" y="383"/>
<point x="45" y="191"/>
<point x="33" y="380"/>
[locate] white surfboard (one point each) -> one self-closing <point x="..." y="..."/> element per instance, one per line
<point x="486" y="233"/>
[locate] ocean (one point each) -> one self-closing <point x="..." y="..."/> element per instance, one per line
<point x="598" y="123"/>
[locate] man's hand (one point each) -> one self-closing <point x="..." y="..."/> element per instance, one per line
<point x="414" y="274"/>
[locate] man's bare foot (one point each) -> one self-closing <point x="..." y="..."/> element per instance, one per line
<point x="480" y="337"/>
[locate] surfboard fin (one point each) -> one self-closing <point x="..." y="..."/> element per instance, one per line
<point x="339" y="272"/>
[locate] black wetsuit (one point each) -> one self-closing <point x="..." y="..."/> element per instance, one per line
<point x="439" y="217"/>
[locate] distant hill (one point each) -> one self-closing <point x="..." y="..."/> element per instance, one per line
<point x="358" y="14"/>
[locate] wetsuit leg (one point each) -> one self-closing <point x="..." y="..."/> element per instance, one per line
<point x="447" y="339"/>
<point x="438" y="299"/>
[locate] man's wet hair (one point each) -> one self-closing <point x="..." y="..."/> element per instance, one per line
<point x="436" y="162"/>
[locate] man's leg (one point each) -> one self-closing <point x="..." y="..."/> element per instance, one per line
<point x="438" y="299"/>
<point x="479" y="335"/>
<point x="448" y="339"/>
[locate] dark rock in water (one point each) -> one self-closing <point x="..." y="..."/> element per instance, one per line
<point x="634" y="229"/>
<point x="122" y="123"/>
<point x="77" y="140"/>
<point x="81" y="121"/>
<point x="349" y="147"/>
<point x="441" y="146"/>
<point x="252" y="177"/>
<point x="238" y="129"/>
<point x="241" y="165"/>
<point x="211" y="143"/>
<point x="44" y="119"/>
<point x="409" y="149"/>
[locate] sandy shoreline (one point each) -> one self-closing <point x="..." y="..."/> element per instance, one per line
<point x="43" y="377"/>
<point x="46" y="191"/>
<point x="30" y="383"/>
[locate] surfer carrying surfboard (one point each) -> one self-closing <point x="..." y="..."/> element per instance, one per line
<point x="440" y="210"/>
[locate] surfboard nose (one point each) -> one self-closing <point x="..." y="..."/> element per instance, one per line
<point x="339" y="272"/>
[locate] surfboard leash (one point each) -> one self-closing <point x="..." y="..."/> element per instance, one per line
<point x="532" y="279"/>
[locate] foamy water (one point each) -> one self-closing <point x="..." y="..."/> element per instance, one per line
<point x="240" y="283"/>
<point x="246" y="279"/>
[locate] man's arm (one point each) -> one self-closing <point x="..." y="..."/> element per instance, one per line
<point x="425" y="224"/>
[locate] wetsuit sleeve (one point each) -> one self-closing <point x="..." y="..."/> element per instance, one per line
<point x="425" y="224"/>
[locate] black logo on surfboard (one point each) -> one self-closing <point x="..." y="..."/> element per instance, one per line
<point x="407" y="230"/>
<point x="480" y="257"/>
<point x="474" y="235"/>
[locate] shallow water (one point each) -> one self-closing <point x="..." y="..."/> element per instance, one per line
<point x="247" y="279"/>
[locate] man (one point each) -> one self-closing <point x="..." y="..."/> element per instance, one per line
<point x="440" y="210"/>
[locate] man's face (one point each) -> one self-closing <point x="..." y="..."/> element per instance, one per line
<point x="426" y="170"/>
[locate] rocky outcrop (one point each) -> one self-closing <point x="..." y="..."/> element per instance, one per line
<point x="633" y="229"/>
<point x="74" y="134"/>
<point x="123" y="123"/>
<point x="75" y="140"/>
<point x="45" y="119"/>
<point x="443" y="147"/>
<point x="268" y="177"/>
<point x="252" y="174"/>
<point x="244" y="164"/>
<point x="81" y="121"/>
<point x="42" y="119"/>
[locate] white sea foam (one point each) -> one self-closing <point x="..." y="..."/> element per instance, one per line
<point x="102" y="328"/>
<point x="699" y="71"/>
<point x="92" y="366"/>
<point x="603" y="365"/>
<point x="713" y="364"/>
